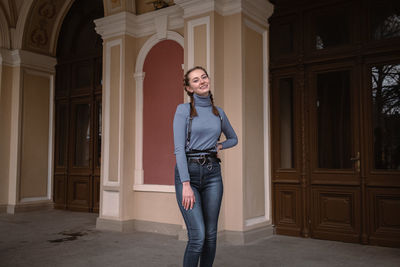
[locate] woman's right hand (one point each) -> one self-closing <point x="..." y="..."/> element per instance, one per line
<point x="188" y="198"/>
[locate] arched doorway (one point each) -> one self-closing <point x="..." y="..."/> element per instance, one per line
<point x="78" y="97"/>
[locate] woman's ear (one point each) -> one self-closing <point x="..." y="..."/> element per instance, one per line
<point x="188" y="89"/>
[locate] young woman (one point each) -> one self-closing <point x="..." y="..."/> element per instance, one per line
<point x="198" y="182"/>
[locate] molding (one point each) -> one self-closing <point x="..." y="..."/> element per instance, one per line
<point x="245" y="237"/>
<point x="27" y="59"/>
<point x="39" y="205"/>
<point x="106" y="115"/>
<point x="126" y="23"/>
<point x="259" y="10"/>
<point x="5" y="41"/>
<point x="17" y="39"/>
<point x="138" y="225"/>
<point x="115" y="225"/>
<point x="33" y="199"/>
<point x="57" y="27"/>
<point x="267" y="128"/>
<point x="51" y="144"/>
<point x="254" y="221"/>
<point x="154" y="188"/>
<point x="266" y="123"/>
<point x="139" y="78"/>
<point x="190" y="26"/>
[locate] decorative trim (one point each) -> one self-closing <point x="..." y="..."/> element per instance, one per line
<point x="4" y="31"/>
<point x="17" y="39"/>
<point x="255" y="221"/>
<point x="154" y="188"/>
<point x="195" y="7"/>
<point x="27" y="59"/>
<point x="245" y="237"/>
<point x="33" y="199"/>
<point x="58" y="23"/>
<point x="266" y="108"/>
<point x="139" y="77"/>
<point x="259" y="10"/>
<point x="50" y="154"/>
<point x="126" y="23"/>
<point x="191" y="25"/>
<point x="106" y="104"/>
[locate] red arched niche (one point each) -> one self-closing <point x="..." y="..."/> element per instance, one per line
<point x="162" y="92"/>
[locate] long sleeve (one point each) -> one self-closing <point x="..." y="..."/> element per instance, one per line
<point x="179" y="126"/>
<point x="231" y="138"/>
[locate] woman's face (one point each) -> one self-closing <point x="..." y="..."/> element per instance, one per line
<point x="198" y="83"/>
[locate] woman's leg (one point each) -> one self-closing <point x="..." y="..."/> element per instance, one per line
<point x="193" y="218"/>
<point x="211" y="197"/>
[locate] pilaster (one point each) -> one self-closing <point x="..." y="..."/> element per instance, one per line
<point x="20" y="63"/>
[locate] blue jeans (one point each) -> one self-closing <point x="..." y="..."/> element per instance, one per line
<point x="202" y="220"/>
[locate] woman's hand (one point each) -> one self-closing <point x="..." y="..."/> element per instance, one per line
<point x="188" y="198"/>
<point x="219" y="147"/>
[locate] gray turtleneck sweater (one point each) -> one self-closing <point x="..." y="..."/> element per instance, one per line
<point x="206" y="129"/>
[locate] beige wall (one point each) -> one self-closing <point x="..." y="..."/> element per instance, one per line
<point x="35" y="136"/>
<point x="200" y="45"/>
<point x="5" y="128"/>
<point x="253" y="125"/>
<point x="233" y="106"/>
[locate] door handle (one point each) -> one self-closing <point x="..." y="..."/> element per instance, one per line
<point x="356" y="160"/>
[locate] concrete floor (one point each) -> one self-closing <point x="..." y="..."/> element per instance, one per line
<point x="63" y="238"/>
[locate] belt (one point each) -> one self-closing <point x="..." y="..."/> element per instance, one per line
<point x="203" y="159"/>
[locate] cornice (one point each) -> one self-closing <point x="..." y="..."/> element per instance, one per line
<point x="259" y="10"/>
<point x="23" y="58"/>
<point x="126" y="23"/>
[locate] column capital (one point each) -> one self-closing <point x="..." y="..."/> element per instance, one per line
<point x="24" y="58"/>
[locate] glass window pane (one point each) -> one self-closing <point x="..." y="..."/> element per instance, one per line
<point x="386" y="116"/>
<point x="82" y="135"/>
<point x="385" y="19"/>
<point x="286" y="123"/>
<point x="332" y="30"/>
<point x="334" y="120"/>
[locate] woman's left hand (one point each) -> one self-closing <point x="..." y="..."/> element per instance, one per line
<point x="219" y="147"/>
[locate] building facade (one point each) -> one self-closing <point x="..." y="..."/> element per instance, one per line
<point x="88" y="91"/>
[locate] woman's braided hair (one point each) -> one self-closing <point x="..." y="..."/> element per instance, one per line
<point x="193" y="112"/>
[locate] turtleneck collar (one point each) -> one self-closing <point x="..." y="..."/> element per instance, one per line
<point x="202" y="101"/>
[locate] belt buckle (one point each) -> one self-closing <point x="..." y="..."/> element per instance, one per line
<point x="202" y="160"/>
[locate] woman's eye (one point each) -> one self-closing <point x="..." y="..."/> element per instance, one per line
<point x="204" y="77"/>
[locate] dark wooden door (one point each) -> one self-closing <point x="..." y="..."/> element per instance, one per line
<point x="78" y="108"/>
<point x="334" y="176"/>
<point x="335" y="105"/>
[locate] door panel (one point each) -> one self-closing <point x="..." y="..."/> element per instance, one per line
<point x="79" y="195"/>
<point x="336" y="213"/>
<point x="384" y="206"/>
<point x="287" y="215"/>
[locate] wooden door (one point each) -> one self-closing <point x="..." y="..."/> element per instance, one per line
<point x="78" y="97"/>
<point x="335" y="105"/>
<point x="334" y="176"/>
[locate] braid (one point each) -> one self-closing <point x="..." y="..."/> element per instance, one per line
<point x="193" y="111"/>
<point x="214" y="109"/>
